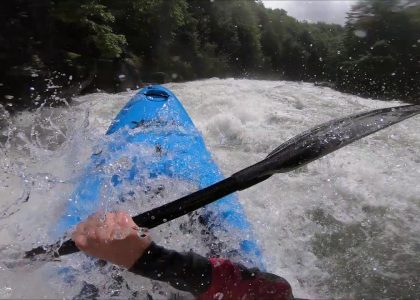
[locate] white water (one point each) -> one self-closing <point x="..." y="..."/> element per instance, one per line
<point x="344" y="226"/>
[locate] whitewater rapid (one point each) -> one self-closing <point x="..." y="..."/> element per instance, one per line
<point x="345" y="226"/>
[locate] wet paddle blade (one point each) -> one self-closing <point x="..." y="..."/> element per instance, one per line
<point x="322" y="140"/>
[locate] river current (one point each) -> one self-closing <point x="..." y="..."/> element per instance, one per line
<point x="345" y="226"/>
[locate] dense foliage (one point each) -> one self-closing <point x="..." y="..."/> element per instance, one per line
<point x="64" y="47"/>
<point x="382" y="49"/>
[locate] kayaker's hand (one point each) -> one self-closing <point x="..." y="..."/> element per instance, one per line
<point x="113" y="237"/>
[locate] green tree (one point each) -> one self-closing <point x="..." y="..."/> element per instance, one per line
<point x="92" y="21"/>
<point x="382" y="48"/>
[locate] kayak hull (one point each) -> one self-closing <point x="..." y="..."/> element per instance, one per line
<point x="151" y="138"/>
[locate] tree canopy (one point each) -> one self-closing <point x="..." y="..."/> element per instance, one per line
<point x="54" y="49"/>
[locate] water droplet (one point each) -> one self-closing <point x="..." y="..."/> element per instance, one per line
<point x="360" y="33"/>
<point x="102" y="218"/>
<point x="9" y="97"/>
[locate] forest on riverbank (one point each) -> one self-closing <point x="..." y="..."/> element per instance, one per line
<point x="52" y="50"/>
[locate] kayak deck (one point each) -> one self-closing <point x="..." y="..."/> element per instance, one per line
<point x="153" y="137"/>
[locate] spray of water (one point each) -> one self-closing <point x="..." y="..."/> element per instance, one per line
<point x="344" y="226"/>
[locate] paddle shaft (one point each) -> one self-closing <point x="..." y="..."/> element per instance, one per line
<point x="164" y="213"/>
<point x="298" y="151"/>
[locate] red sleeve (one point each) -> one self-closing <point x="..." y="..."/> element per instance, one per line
<point x="231" y="281"/>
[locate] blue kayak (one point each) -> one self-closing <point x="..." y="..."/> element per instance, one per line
<point x="152" y="138"/>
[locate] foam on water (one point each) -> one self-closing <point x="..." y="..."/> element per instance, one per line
<point x="344" y="226"/>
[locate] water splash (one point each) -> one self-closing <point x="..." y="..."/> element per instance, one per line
<point x="327" y="227"/>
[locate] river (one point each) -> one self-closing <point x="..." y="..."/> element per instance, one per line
<point x="345" y="226"/>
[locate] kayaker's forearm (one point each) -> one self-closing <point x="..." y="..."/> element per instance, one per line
<point x="208" y="278"/>
<point x="184" y="271"/>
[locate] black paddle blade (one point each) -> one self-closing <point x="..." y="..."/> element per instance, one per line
<point x="296" y="152"/>
<point x="322" y="140"/>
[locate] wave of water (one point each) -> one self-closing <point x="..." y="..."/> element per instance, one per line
<point x="344" y="226"/>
